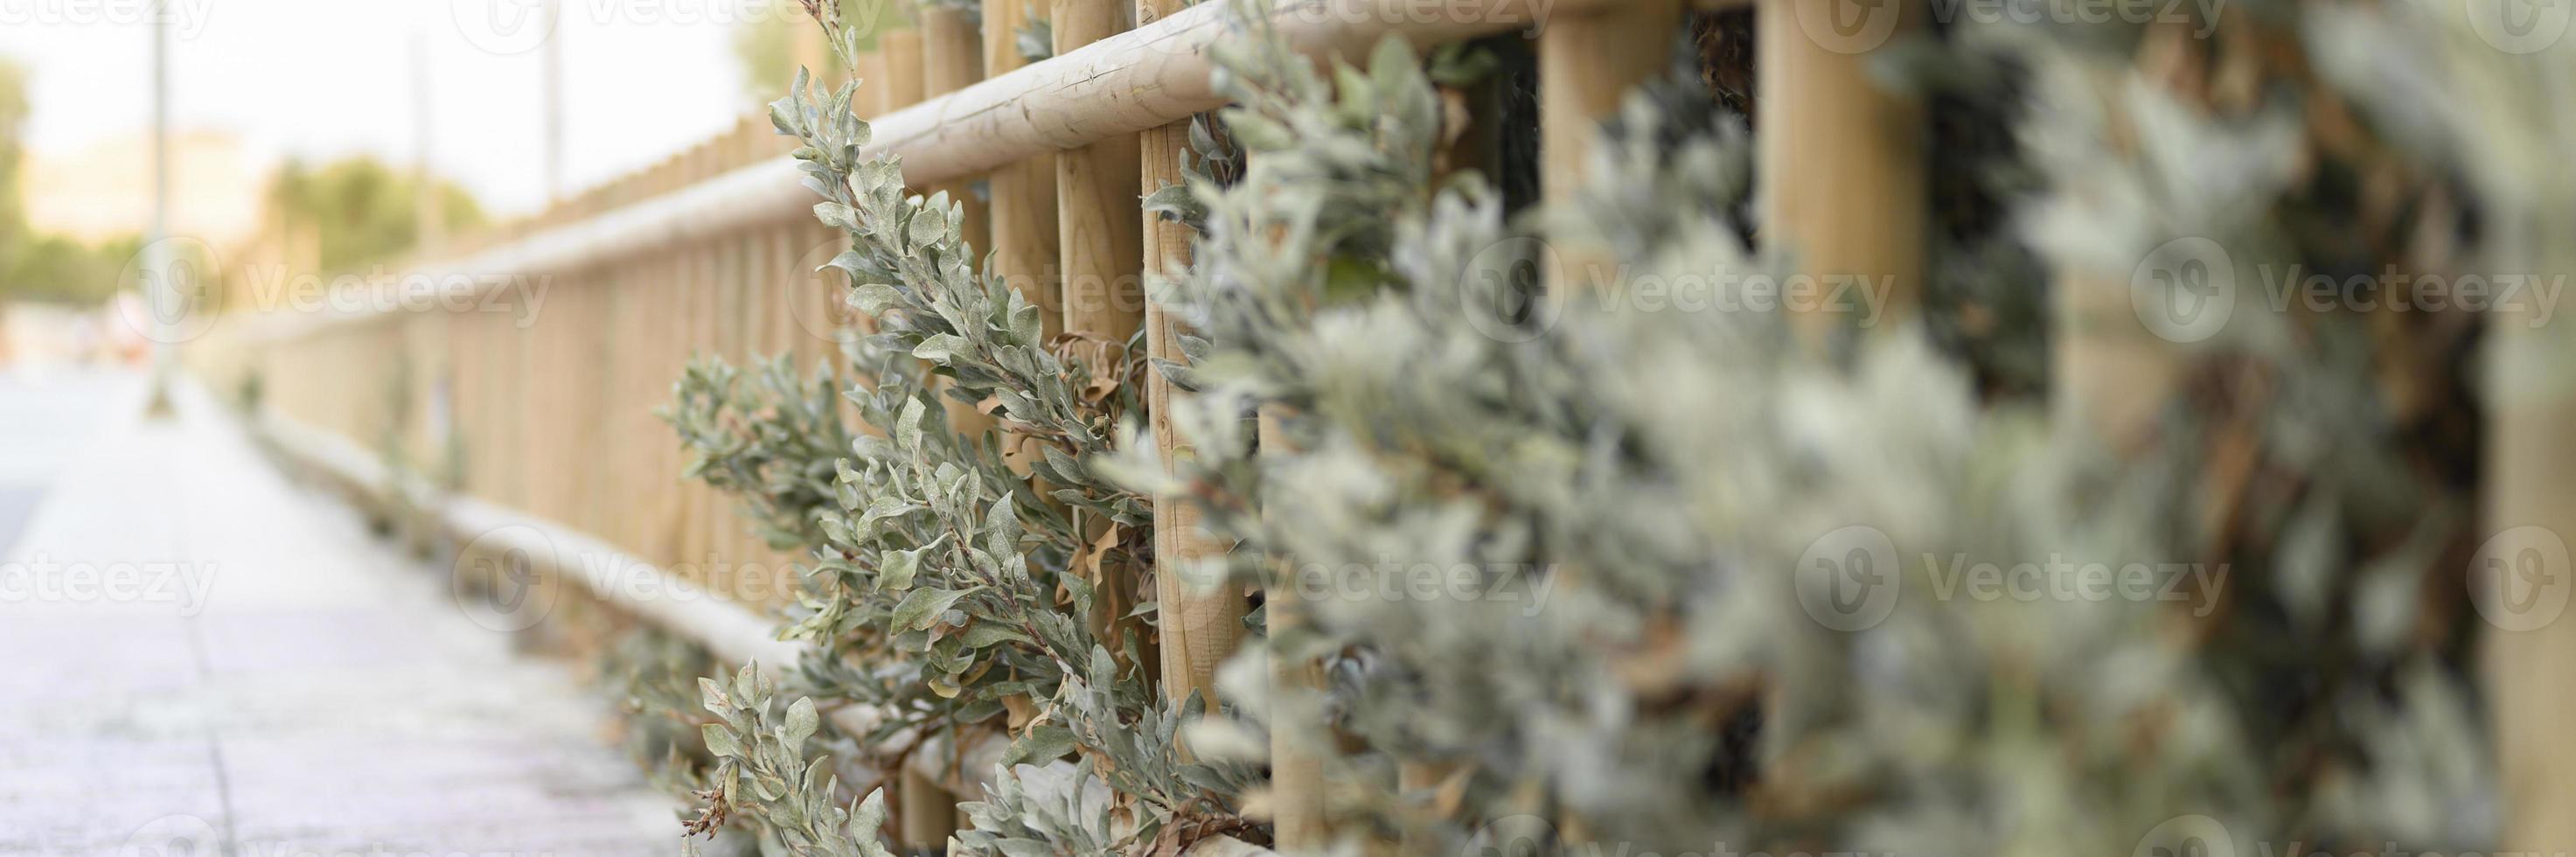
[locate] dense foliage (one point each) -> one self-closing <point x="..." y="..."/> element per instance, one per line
<point x="1636" y="518"/>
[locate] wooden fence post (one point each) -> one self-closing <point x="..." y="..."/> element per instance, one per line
<point x="929" y="814"/>
<point x="1097" y="205"/>
<point x="951" y="59"/>
<point x="2520" y="578"/>
<point x="1842" y="160"/>
<point x="1587" y="63"/>
<point x="1098" y="221"/>
<point x="870" y="68"/>
<point x="1198" y="629"/>
<point x="1024" y="210"/>
<point x="1297" y="818"/>
<point x="900" y="58"/>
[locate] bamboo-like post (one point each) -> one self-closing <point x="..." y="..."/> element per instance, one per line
<point x="1587" y="62"/>
<point x="1296" y="768"/>
<point x="900" y="56"/>
<point x="1097" y="209"/>
<point x="929" y="815"/>
<point x="812" y="51"/>
<point x="2519" y="581"/>
<point x="929" y="812"/>
<point x="2108" y="371"/>
<point x="870" y="68"/>
<point x="1024" y="210"/>
<point x="1100" y="236"/>
<point x="1842" y="160"/>
<point x="952" y="58"/>
<point x="1198" y="629"/>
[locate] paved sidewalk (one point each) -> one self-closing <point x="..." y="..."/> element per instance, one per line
<point x="204" y="659"/>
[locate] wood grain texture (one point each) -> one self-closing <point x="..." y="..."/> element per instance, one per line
<point x="1588" y="61"/>
<point x="1100" y="239"/>
<point x="1199" y="627"/>
<point x="902" y="67"/>
<point x="1297" y="784"/>
<point x="1843" y="184"/>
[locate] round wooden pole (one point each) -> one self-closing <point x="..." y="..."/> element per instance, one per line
<point x="1199" y="628"/>
<point x="1023" y="194"/>
<point x="1097" y="207"/>
<point x="1588" y="60"/>
<point x="1842" y="159"/>
<point x="900" y="56"/>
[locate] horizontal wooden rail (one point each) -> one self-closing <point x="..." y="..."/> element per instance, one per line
<point x="543" y="423"/>
<point x="727" y="630"/>
<point x="1143" y="78"/>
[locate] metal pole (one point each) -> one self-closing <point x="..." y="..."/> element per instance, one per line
<point x="160" y="296"/>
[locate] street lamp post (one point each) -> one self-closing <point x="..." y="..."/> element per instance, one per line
<point x="160" y="295"/>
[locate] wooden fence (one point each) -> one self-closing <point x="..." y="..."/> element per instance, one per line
<point x="540" y="414"/>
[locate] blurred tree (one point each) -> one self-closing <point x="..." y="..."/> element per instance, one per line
<point x="765" y="43"/>
<point x="13" y="119"/>
<point x="55" y="269"/>
<point x="42" y="267"/>
<point x="363" y="210"/>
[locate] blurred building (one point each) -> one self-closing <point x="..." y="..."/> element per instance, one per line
<point x="104" y="191"/>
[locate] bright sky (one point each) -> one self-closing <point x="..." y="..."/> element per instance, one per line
<point x="326" y="78"/>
